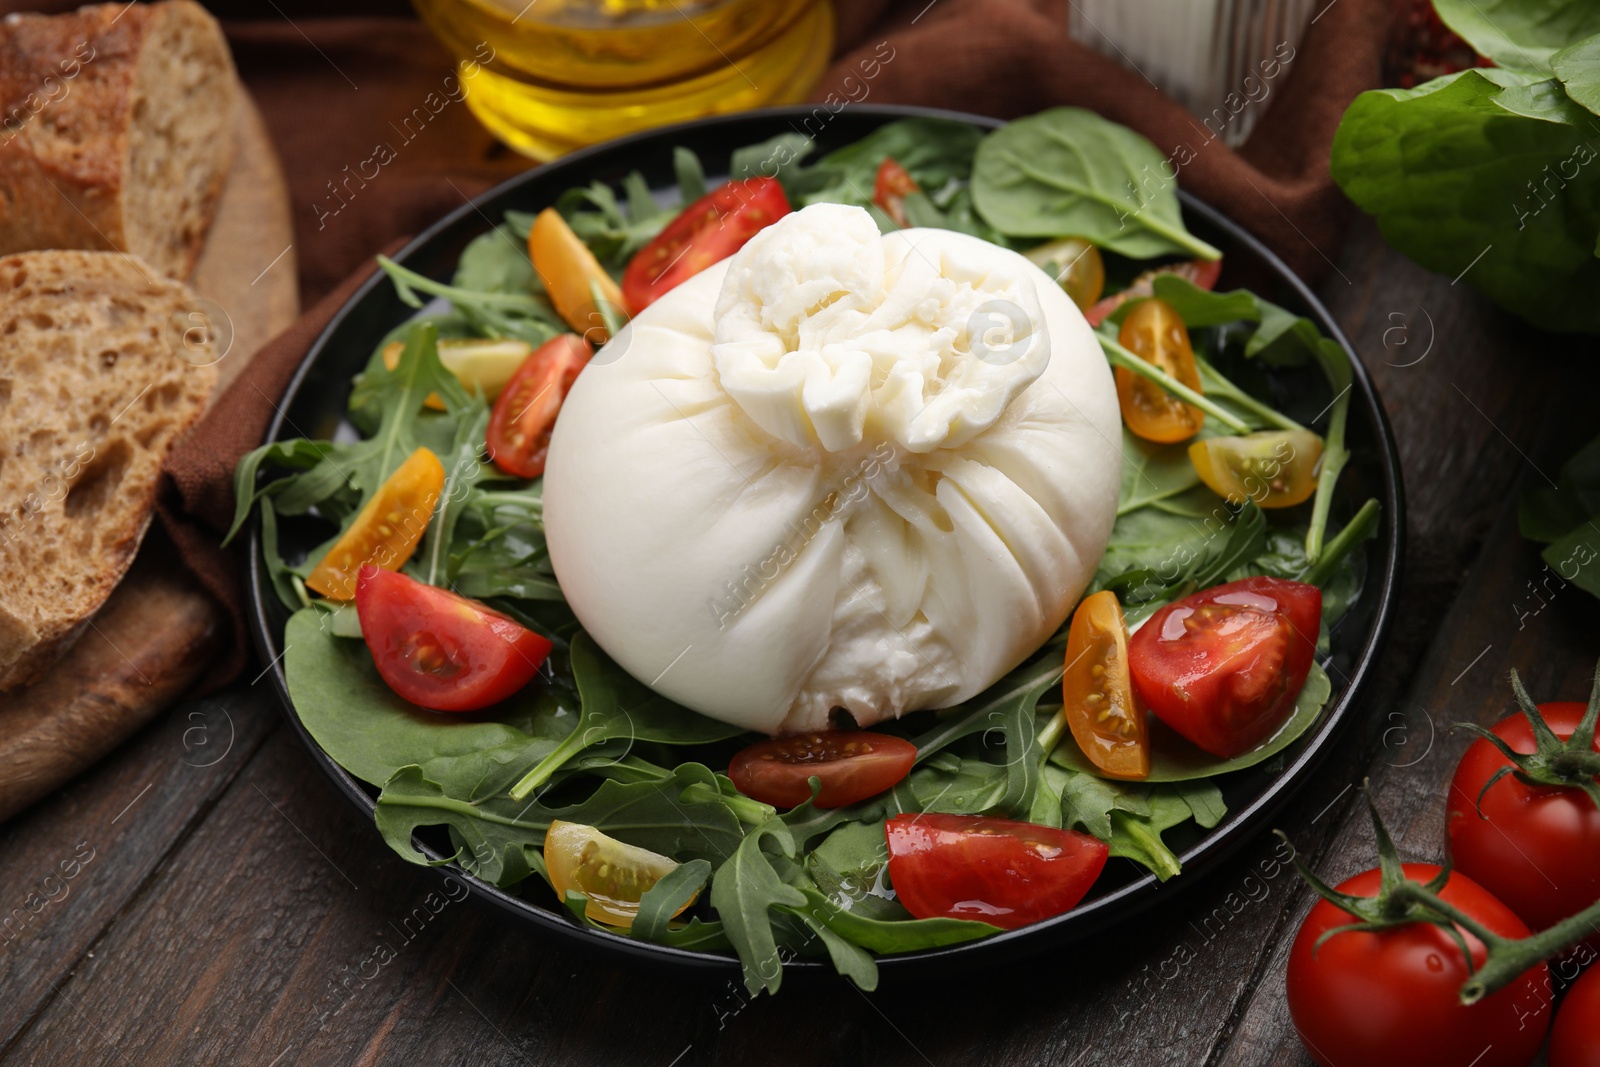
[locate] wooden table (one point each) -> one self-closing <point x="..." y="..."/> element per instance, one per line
<point x="227" y="906"/>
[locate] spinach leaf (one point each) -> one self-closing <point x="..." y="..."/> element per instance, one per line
<point x="1069" y="172"/>
<point x="1173" y="759"/>
<point x="1520" y="35"/>
<point x="850" y="866"/>
<point x="1180" y="554"/>
<point x="938" y="154"/>
<point x="615" y="705"/>
<point x="1445" y="171"/>
<point x="1578" y="68"/>
<point x="744" y="891"/>
<point x="1575" y="555"/>
<point x="496" y="262"/>
<point x="1548" y="513"/>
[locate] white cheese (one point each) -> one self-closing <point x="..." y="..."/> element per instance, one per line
<point x="837" y="470"/>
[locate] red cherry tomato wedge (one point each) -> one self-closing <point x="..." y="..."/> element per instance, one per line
<point x="439" y="650"/>
<point x="1392" y="996"/>
<point x="890" y="188"/>
<point x="1536" y="848"/>
<point x="1223" y="667"/>
<point x="1575" y="1040"/>
<point x="851" y="764"/>
<point x="707" y="231"/>
<point x="1004" y="873"/>
<point x="524" y="415"/>
<point x="1202" y="272"/>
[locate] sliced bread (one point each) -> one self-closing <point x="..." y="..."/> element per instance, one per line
<point x="104" y="365"/>
<point x="116" y="130"/>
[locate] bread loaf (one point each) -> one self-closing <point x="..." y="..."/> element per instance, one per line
<point x="104" y="364"/>
<point x="116" y="130"/>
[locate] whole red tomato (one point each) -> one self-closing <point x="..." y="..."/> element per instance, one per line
<point x="1575" y="1041"/>
<point x="1391" y="996"/>
<point x="1536" y="848"/>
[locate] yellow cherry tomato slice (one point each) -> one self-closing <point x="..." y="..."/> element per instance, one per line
<point x="1097" y="695"/>
<point x="385" y="532"/>
<point x="1077" y="267"/>
<point x="1274" y="468"/>
<point x="572" y="276"/>
<point x="613" y="875"/>
<point x="1155" y="333"/>
<point x="485" y="365"/>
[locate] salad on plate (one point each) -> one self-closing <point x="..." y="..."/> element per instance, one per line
<point x="847" y="558"/>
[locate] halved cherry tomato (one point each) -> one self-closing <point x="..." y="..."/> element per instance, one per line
<point x="386" y="531"/>
<point x="611" y="873"/>
<point x="707" y="231"/>
<point x="439" y="650"/>
<point x="1097" y="696"/>
<point x="1274" y="468"/>
<point x="1004" y="873"/>
<point x="1155" y="333"/>
<point x="1535" y="847"/>
<point x="1200" y="272"/>
<point x="572" y="276"/>
<point x="481" y="363"/>
<point x="1393" y="996"/>
<point x="1077" y="267"/>
<point x="890" y="187"/>
<point x="1575" y="1040"/>
<point x="1223" y="667"/>
<point x="523" y="417"/>
<point x="852" y="764"/>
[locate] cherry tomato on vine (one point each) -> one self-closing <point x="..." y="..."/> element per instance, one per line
<point x="523" y="418"/>
<point x="611" y="873"/>
<point x="1077" y="267"/>
<point x="1155" y="333"/>
<point x="1097" y="696"/>
<point x="890" y="188"/>
<point x="1391" y="996"/>
<point x="439" y="650"/>
<point x="1004" y="873"/>
<point x="707" y="231"/>
<point x="1274" y="468"/>
<point x="1575" y="1039"/>
<point x="852" y="765"/>
<point x="1224" y="666"/>
<point x="1535" y="847"/>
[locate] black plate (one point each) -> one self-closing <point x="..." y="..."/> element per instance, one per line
<point x="315" y="402"/>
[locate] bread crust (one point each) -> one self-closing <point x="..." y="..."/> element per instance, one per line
<point x="70" y="95"/>
<point x="101" y="374"/>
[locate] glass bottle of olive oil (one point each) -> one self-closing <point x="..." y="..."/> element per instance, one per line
<point x="548" y="76"/>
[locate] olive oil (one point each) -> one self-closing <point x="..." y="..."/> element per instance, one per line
<point x="552" y="75"/>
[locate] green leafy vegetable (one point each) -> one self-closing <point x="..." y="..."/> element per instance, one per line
<point x="1069" y="172"/>
<point x="744" y="891"/>
<point x="1566" y="517"/>
<point x="1521" y="35"/>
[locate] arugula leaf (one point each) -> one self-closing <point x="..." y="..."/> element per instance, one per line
<point x="936" y="152"/>
<point x="1067" y="171"/>
<point x="616" y="705"/>
<point x="1173" y="759"/>
<point x="1520" y="35"/>
<point x="522" y="316"/>
<point x="496" y="262"/>
<point x="1131" y="816"/>
<point x="1445" y="171"/>
<point x="690" y="174"/>
<point x="612" y="232"/>
<point x="744" y="891"/>
<point x="891" y="935"/>
<point x="667" y="897"/>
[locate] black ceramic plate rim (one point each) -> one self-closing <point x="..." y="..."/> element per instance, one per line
<point x="1117" y="906"/>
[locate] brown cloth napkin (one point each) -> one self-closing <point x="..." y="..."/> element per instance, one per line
<point x="333" y="88"/>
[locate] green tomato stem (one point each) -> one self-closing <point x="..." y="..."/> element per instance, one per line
<point x="1125" y="359"/>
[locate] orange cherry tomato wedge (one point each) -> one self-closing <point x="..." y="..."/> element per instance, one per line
<point x="612" y="874"/>
<point x="1097" y="697"/>
<point x="1155" y="333"/>
<point x="707" y="231"/>
<point x="386" y="531"/>
<point x="851" y="764"/>
<point x="572" y="276"/>
<point x="890" y="188"/>
<point x="442" y="651"/>
<point x="998" y="871"/>
<point x="523" y="418"/>
<point x="1274" y="468"/>
<point x="1200" y="272"/>
<point x="1077" y="267"/>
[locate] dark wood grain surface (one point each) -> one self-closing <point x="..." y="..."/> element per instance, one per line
<point x="227" y="906"/>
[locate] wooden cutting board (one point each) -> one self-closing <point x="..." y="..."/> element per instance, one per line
<point x="158" y="630"/>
